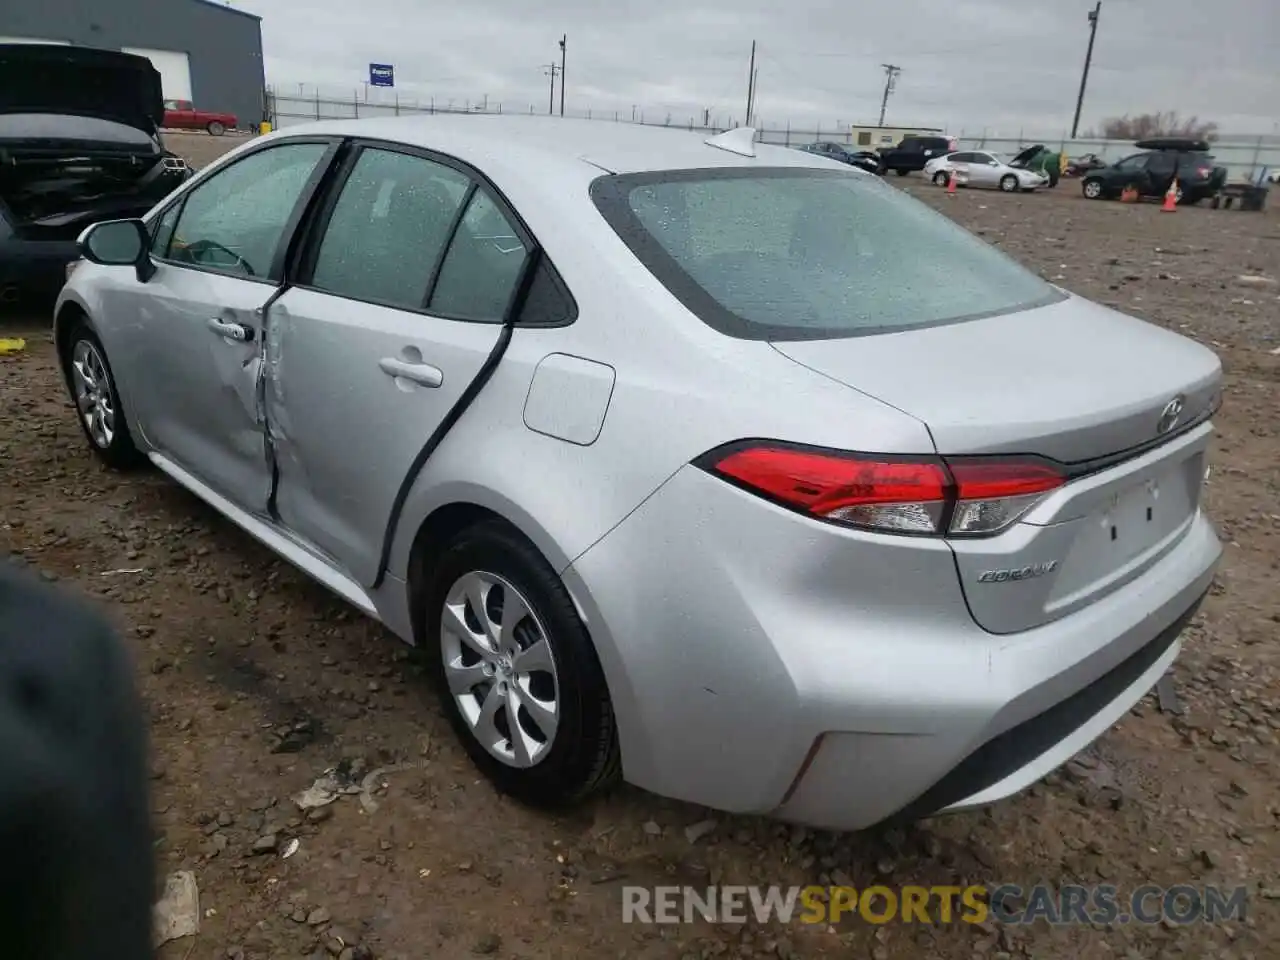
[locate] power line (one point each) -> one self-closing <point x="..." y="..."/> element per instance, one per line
<point x="891" y="72"/>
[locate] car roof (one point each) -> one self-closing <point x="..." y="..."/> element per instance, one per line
<point x="560" y="144"/>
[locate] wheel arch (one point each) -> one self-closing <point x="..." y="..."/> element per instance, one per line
<point x="417" y="539"/>
<point x="68" y="312"/>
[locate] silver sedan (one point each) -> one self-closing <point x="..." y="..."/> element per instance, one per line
<point x="978" y="168"/>
<point x="676" y="455"/>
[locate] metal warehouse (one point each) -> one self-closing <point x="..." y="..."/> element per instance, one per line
<point x="209" y="53"/>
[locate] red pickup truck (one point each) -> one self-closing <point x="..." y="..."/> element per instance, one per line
<point x="182" y="115"/>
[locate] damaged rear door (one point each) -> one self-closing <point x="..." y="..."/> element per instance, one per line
<point x="198" y="323"/>
<point x="397" y="306"/>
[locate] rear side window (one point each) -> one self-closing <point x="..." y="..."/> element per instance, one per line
<point x="482" y="268"/>
<point x="388" y="228"/>
<point x="789" y="253"/>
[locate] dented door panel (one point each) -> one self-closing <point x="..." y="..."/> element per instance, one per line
<point x="348" y="396"/>
<point x="200" y="404"/>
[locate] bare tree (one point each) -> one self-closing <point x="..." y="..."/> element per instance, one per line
<point x="1147" y="125"/>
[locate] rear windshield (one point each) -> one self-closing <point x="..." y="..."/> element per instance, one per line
<point x="794" y="253"/>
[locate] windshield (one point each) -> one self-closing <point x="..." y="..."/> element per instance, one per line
<point x="796" y="253"/>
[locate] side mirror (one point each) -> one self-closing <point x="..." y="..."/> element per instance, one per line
<point x="119" y="243"/>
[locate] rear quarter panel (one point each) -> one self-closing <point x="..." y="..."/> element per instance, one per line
<point x="681" y="389"/>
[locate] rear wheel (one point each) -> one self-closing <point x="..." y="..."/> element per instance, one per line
<point x="516" y="669"/>
<point x="1009" y="183"/>
<point x="216" y="128"/>
<point x="1092" y="189"/>
<point x="941" y="178"/>
<point x="98" y="407"/>
<point x="901" y="172"/>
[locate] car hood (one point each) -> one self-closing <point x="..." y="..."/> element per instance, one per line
<point x="48" y="78"/>
<point x="1024" y="157"/>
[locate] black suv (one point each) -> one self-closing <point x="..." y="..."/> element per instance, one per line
<point x="913" y="152"/>
<point x="1151" y="173"/>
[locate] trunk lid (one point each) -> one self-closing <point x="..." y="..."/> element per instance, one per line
<point x="48" y="78"/>
<point x="1077" y="383"/>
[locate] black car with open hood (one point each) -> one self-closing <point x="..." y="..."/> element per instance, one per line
<point x="79" y="143"/>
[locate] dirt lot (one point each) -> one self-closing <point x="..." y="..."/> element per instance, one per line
<point x="257" y="681"/>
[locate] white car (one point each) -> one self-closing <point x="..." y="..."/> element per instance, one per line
<point x="981" y="168"/>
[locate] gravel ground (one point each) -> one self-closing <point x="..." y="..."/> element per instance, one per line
<point x="258" y="681"/>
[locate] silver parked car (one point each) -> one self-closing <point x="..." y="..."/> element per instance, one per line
<point x="980" y="168"/>
<point x="675" y="454"/>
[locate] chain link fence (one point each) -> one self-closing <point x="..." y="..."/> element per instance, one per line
<point x="1245" y="157"/>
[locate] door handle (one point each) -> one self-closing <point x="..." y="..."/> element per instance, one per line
<point x="231" y="330"/>
<point x="420" y="373"/>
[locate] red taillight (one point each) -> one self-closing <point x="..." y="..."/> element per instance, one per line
<point x="1204" y="171"/>
<point x="920" y="495"/>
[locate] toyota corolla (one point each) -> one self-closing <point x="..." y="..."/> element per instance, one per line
<point x="674" y="453"/>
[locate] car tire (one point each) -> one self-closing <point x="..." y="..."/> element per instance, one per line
<point x="492" y="564"/>
<point x="216" y="128"/>
<point x="901" y="172"/>
<point x="940" y="178"/>
<point x="1009" y="183"/>
<point x="96" y="400"/>
<point x="1092" y="189"/>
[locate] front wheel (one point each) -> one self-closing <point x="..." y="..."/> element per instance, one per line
<point x="1092" y="189"/>
<point x="1009" y="183"/>
<point x="941" y="178"/>
<point x="216" y="128"/>
<point x="98" y="407"/>
<point x="901" y="172"/>
<point x="519" y="676"/>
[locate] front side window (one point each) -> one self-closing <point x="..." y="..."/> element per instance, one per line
<point x="388" y="228"/>
<point x="235" y="221"/>
<point x="798" y="253"/>
<point x="162" y="230"/>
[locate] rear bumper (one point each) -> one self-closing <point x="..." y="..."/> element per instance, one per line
<point x="764" y="663"/>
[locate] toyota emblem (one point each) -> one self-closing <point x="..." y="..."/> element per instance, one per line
<point x="1170" y="415"/>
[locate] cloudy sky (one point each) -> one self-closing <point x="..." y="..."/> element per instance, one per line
<point x="1006" y="65"/>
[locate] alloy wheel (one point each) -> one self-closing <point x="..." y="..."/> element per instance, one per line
<point x="93" y="393"/>
<point x="500" y="669"/>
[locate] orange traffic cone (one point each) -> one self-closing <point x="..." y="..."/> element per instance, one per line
<point x="951" y="182"/>
<point x="1171" y="199"/>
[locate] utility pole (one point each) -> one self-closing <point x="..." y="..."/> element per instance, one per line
<point x="1088" y="59"/>
<point x="751" y="84"/>
<point x="891" y="72"/>
<point x="563" y="40"/>
<point x="551" y="69"/>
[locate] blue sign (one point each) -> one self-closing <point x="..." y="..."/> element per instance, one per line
<point x="382" y="75"/>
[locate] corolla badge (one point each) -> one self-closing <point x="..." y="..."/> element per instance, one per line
<point x="1018" y="573"/>
<point x="1170" y="415"/>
